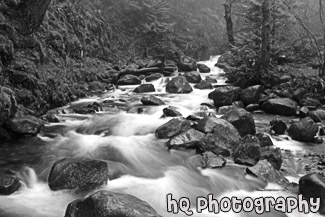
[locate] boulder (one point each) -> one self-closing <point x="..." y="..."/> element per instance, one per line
<point x="247" y="152"/>
<point x="153" y="77"/>
<point x="185" y="140"/>
<point x="178" y="84"/>
<point x="265" y="140"/>
<point x="203" y="85"/>
<point x="280" y="106"/>
<point x="251" y="95"/>
<point x="304" y="131"/>
<point x="242" y="120"/>
<point x="171" y="111"/>
<point x="8" y="105"/>
<point x="193" y="77"/>
<point x="145" y="88"/>
<point x="203" y="68"/>
<point x="278" y="126"/>
<point x="109" y="204"/>
<point x="213" y="161"/>
<point x="207" y="124"/>
<point x="314" y="116"/>
<point x="304" y="111"/>
<point x="172" y="128"/>
<point x="313" y="186"/>
<point x="78" y="173"/>
<point x="321" y="114"/>
<point x="222" y="140"/>
<point x="151" y="100"/>
<point x="9" y="185"/>
<point x="129" y="80"/>
<point x="265" y="171"/>
<point x="252" y="107"/>
<point x="24" y="126"/>
<point x="272" y="155"/>
<point x="223" y="96"/>
<point x="186" y="64"/>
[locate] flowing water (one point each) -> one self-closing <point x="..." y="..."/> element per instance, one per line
<point x="123" y="135"/>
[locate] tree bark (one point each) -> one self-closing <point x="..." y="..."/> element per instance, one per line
<point x="266" y="30"/>
<point x="229" y="23"/>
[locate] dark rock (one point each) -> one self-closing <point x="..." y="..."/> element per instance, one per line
<point x="223" y="139"/>
<point x="225" y="109"/>
<point x="129" y="80"/>
<point x="280" y="106"/>
<point x="242" y="120"/>
<point x="78" y="173"/>
<point x="185" y="140"/>
<point x="4" y="134"/>
<point x="211" y="79"/>
<point x="207" y="124"/>
<point x="247" y="152"/>
<point x="153" y="77"/>
<point x="154" y="63"/>
<point x="265" y="171"/>
<point x="51" y="118"/>
<point x="238" y="104"/>
<point x="151" y="100"/>
<point x="272" y="155"/>
<point x="203" y="68"/>
<point x="213" y="161"/>
<point x="8" y="105"/>
<point x="109" y="204"/>
<point x="313" y="186"/>
<point x="321" y="114"/>
<point x="252" y="107"/>
<point x="178" y="84"/>
<point x="9" y="185"/>
<point x="314" y="116"/>
<point x="265" y="140"/>
<point x="203" y="85"/>
<point x="193" y="118"/>
<point x="145" y="88"/>
<point x="186" y="64"/>
<point x="171" y="112"/>
<point x="303" y="112"/>
<point x="172" y="128"/>
<point x="223" y="96"/>
<point x="252" y="94"/>
<point x="278" y="126"/>
<point x="193" y="77"/>
<point x="23" y="126"/>
<point x="311" y="103"/>
<point x="298" y="94"/>
<point x="305" y="130"/>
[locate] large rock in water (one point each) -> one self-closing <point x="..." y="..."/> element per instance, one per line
<point x="222" y="140"/>
<point x="203" y="85"/>
<point x="222" y="96"/>
<point x="272" y="155"/>
<point x="265" y="171"/>
<point x="9" y="185"/>
<point x="178" y="84"/>
<point x="129" y="80"/>
<point x="305" y="130"/>
<point x="109" y="204"/>
<point x="278" y="126"/>
<point x="186" y="64"/>
<point x="193" y="77"/>
<point x="78" y="173"/>
<point x="313" y="186"/>
<point x="280" y="106"/>
<point x="8" y="105"/>
<point x="203" y="68"/>
<point x="151" y="100"/>
<point x="26" y="125"/>
<point x="252" y="94"/>
<point x="172" y="128"/>
<point x="185" y="140"/>
<point x="145" y="88"/>
<point x="242" y="120"/>
<point x="247" y="152"/>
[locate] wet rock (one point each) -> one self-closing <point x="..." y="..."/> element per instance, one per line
<point x="223" y="139"/>
<point x="223" y="96"/>
<point x="313" y="186"/>
<point x="207" y="124"/>
<point x="272" y="155"/>
<point x="8" y="105"/>
<point x="251" y="95"/>
<point x="203" y="68"/>
<point x="298" y="94"/>
<point x="151" y="100"/>
<point x="24" y="126"/>
<point x="186" y="140"/>
<point x="225" y="109"/>
<point x="78" y="173"/>
<point x="129" y="80"/>
<point x="178" y="84"/>
<point x="145" y="88"/>
<point x="211" y="79"/>
<point x="314" y="116"/>
<point x="242" y="120"/>
<point x="265" y="171"/>
<point x="51" y="118"/>
<point x="186" y="64"/>
<point x="321" y="114"/>
<point x="303" y="111"/>
<point x="172" y="128"/>
<point x="197" y="161"/>
<point x="213" y="161"/>
<point x="280" y="106"/>
<point x="193" y="77"/>
<point x="252" y="107"/>
<point x="153" y="77"/>
<point x="278" y="126"/>
<point x="203" y="85"/>
<point x="247" y="152"/>
<point x="171" y="111"/>
<point x="109" y="204"/>
<point x="265" y="140"/>
<point x="305" y="130"/>
<point x="9" y="185"/>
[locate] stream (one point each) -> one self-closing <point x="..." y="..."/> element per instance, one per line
<point x="123" y="136"/>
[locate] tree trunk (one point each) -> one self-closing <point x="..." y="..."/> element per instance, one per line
<point x="229" y="23"/>
<point x="266" y="29"/>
